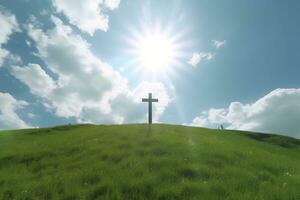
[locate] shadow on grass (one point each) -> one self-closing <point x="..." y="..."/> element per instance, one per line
<point x="282" y="141"/>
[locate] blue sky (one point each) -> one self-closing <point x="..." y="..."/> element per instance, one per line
<point x="236" y="63"/>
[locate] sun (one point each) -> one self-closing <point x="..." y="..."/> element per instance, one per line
<point x="156" y="52"/>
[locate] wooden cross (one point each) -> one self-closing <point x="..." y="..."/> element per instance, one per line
<point x="149" y="100"/>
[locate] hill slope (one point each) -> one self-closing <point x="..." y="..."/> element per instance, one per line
<point x="142" y="162"/>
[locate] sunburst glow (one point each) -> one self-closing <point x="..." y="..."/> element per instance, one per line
<point x="155" y="51"/>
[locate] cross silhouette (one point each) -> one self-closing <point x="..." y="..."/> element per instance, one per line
<point x="149" y="100"/>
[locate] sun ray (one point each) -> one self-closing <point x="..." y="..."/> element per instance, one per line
<point x="156" y="52"/>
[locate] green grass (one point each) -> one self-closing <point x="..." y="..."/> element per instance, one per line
<point x="142" y="162"/>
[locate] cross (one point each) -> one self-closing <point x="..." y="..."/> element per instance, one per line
<point x="149" y="100"/>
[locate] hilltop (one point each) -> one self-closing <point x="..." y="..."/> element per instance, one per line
<point x="142" y="162"/>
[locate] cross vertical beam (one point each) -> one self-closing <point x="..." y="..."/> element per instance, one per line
<point x="150" y="101"/>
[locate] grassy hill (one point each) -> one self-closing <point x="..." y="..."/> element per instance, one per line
<point x="141" y="162"/>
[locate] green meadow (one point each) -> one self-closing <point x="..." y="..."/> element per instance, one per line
<point x="164" y="162"/>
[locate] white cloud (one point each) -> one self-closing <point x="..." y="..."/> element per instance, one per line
<point x="127" y="107"/>
<point x="3" y="55"/>
<point x="9" y="119"/>
<point x="112" y="4"/>
<point x="277" y="112"/>
<point x="8" y="25"/>
<point x="85" y="87"/>
<point x="82" y="78"/>
<point x="196" y="58"/>
<point x="35" y="77"/>
<point x="87" y="15"/>
<point x="218" y="44"/>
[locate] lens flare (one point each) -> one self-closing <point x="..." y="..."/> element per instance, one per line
<point x="155" y="51"/>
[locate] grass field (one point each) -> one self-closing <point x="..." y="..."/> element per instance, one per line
<point x="141" y="162"/>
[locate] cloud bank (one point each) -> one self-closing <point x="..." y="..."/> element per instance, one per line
<point x="277" y="112"/>
<point x="80" y="84"/>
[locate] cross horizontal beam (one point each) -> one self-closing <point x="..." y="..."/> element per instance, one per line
<point x="149" y="100"/>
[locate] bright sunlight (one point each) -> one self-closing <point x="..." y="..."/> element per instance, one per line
<point x="156" y="52"/>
